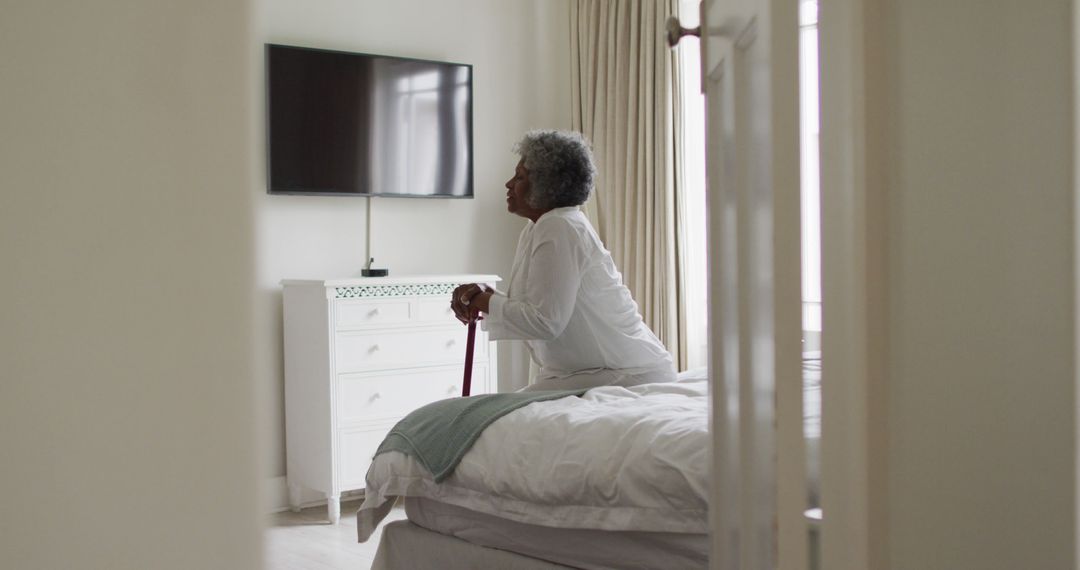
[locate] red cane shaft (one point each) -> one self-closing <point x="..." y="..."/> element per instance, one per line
<point x="466" y="385"/>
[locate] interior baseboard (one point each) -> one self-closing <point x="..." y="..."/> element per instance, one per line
<point x="276" y="496"/>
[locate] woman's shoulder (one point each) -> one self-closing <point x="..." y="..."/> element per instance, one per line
<point x="570" y="219"/>
<point x="570" y="225"/>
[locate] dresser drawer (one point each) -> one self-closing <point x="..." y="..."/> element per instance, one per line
<point x="353" y="314"/>
<point x="355" y="450"/>
<point x="390" y="396"/>
<point x="436" y="311"/>
<point x="360" y="351"/>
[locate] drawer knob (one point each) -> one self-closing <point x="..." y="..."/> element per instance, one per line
<point x="374" y="348"/>
<point x="452" y="389"/>
<point x="374" y="312"/>
<point x="374" y="397"/>
<point x="451" y="342"/>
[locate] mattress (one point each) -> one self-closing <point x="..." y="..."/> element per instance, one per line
<point x="581" y="548"/>
<point x="405" y="546"/>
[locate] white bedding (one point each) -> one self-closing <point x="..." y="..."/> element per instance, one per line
<point x="587" y="549"/>
<point x="625" y="459"/>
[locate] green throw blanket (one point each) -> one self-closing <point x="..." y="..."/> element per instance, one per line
<point x="438" y="434"/>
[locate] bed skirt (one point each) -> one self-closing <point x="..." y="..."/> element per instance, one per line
<point x="405" y="546"/>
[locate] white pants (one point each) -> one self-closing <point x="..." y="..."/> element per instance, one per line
<point x="600" y="377"/>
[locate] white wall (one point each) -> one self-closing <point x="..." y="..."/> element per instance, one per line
<point x="126" y="250"/>
<point x="970" y="398"/>
<point x="981" y="403"/>
<point x="519" y="50"/>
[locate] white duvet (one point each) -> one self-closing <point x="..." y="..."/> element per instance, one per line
<point x="614" y="459"/>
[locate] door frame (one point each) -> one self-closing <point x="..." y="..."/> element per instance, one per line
<point x="750" y="70"/>
<point x="854" y="285"/>
<point x="1076" y="253"/>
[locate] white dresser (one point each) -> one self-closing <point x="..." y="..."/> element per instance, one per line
<point x="359" y="355"/>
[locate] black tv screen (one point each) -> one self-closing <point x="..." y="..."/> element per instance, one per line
<point x="351" y="124"/>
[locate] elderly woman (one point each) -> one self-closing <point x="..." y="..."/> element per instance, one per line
<point x="565" y="297"/>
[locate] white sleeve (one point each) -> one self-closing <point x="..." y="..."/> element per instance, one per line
<point x="543" y="309"/>
<point x="485" y="323"/>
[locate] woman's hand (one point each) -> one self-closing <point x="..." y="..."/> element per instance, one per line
<point x="461" y="301"/>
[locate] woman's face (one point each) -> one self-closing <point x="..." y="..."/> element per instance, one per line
<point x="518" y="191"/>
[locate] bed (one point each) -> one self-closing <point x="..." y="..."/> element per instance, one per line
<point x="616" y="478"/>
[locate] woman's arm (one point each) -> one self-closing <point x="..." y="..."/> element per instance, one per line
<point x="542" y="309"/>
<point x="482" y="301"/>
<point x="463" y="301"/>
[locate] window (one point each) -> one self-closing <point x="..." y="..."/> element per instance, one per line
<point x="809" y="133"/>
<point x="692" y="203"/>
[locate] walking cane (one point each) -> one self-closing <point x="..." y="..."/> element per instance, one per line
<point x="466" y="385"/>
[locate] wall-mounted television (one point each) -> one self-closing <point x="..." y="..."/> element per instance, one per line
<point x="353" y="124"/>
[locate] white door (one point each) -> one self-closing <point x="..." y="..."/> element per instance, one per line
<point x="750" y="79"/>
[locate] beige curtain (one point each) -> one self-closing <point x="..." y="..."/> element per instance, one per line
<point x="624" y="101"/>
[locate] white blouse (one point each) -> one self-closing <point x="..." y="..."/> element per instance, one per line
<point x="566" y="299"/>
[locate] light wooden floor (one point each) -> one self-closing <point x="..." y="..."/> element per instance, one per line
<point x="299" y="541"/>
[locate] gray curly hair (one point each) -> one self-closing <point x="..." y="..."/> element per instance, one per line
<point x="560" y="166"/>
